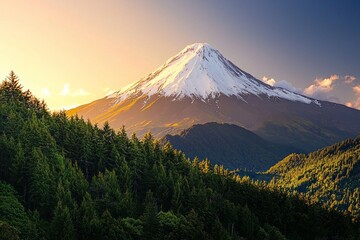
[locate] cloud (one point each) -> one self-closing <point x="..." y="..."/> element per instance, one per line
<point x="321" y="88"/>
<point x="45" y="92"/>
<point x="269" y="81"/>
<point x="288" y="86"/>
<point x="356" y="102"/>
<point x="67" y="92"/>
<point x="325" y="89"/>
<point x="349" y="104"/>
<point x="66" y="107"/>
<point x="282" y="84"/>
<point x="356" y="89"/>
<point x="108" y="91"/>
<point x="349" y="79"/>
<point x="323" y="85"/>
<point x="80" y="92"/>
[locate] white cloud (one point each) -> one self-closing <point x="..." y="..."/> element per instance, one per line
<point x="349" y="79"/>
<point x="287" y="85"/>
<point x="108" y="91"/>
<point x="45" y="92"/>
<point x="282" y="83"/>
<point x="80" y="92"/>
<point x="321" y="88"/>
<point x="65" y="90"/>
<point x="324" y="88"/>
<point x="66" y="107"/>
<point x="269" y="81"/>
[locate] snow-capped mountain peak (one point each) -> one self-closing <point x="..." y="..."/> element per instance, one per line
<point x="200" y="71"/>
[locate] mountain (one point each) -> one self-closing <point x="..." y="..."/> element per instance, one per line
<point x="199" y="85"/>
<point x="202" y="72"/>
<point x="229" y="145"/>
<point x="329" y="175"/>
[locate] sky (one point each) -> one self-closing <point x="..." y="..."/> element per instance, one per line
<point x="74" y="52"/>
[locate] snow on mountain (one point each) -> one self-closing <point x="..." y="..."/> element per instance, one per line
<point x="200" y="71"/>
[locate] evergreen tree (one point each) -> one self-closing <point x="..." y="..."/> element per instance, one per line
<point x="13" y="219"/>
<point x="62" y="224"/>
<point x="42" y="184"/>
<point x="150" y="219"/>
<point x="11" y="90"/>
<point x="87" y="219"/>
<point x="8" y="232"/>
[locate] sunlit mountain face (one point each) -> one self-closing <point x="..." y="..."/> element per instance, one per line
<point x="199" y="85"/>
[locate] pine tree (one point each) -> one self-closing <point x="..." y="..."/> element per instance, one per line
<point x="62" y="224"/>
<point x="42" y="185"/>
<point x="7" y="154"/>
<point x="11" y="89"/>
<point x="150" y="220"/>
<point x="205" y="166"/>
<point x="87" y="219"/>
<point x="248" y="222"/>
<point x="12" y="213"/>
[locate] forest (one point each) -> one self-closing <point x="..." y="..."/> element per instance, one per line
<point x="329" y="176"/>
<point x="65" y="178"/>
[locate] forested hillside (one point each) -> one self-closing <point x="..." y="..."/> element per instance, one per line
<point x="229" y="145"/>
<point x="64" y="178"/>
<point x="329" y="176"/>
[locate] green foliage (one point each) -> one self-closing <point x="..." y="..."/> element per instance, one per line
<point x="329" y="176"/>
<point x="11" y="209"/>
<point x="132" y="227"/>
<point x="62" y="226"/>
<point x="150" y="218"/>
<point x="7" y="232"/>
<point x="64" y="178"/>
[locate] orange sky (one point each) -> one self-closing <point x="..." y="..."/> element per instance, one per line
<point x="70" y="53"/>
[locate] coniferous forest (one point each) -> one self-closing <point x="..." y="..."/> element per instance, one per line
<point x="329" y="176"/>
<point x="64" y="178"/>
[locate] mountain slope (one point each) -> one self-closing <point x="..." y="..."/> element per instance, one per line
<point x="329" y="175"/>
<point x="202" y="72"/>
<point x="229" y="145"/>
<point x="199" y="85"/>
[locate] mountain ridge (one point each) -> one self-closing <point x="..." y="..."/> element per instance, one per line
<point x="229" y="145"/>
